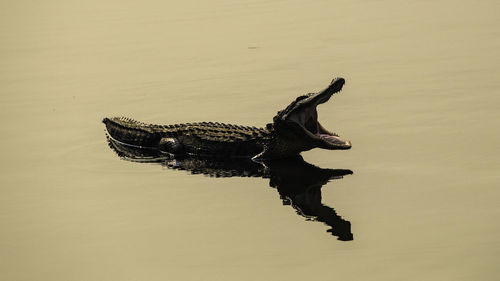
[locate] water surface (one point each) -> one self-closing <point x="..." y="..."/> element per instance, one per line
<point x="420" y="106"/>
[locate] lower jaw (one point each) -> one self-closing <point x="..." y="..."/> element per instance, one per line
<point x="329" y="137"/>
<point x="334" y="140"/>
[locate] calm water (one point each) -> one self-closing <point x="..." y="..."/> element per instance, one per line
<point x="420" y="106"/>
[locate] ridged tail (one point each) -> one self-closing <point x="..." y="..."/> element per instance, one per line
<point x="132" y="132"/>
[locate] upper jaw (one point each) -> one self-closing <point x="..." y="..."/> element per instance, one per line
<point x="314" y="99"/>
<point x="334" y="87"/>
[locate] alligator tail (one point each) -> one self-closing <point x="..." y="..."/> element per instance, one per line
<point x="131" y="132"/>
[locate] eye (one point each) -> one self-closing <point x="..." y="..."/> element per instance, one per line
<point x="301" y="98"/>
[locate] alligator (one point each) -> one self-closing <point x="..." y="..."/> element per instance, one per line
<point x="297" y="182"/>
<point x="294" y="129"/>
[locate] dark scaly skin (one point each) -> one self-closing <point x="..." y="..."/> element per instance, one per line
<point x="204" y="138"/>
<point x="294" y="129"/>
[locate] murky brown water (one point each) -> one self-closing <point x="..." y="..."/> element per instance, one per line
<point x="420" y="106"/>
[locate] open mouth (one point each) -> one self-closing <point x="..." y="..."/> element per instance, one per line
<point x="307" y="117"/>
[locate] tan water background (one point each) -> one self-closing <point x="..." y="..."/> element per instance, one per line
<point x="420" y="105"/>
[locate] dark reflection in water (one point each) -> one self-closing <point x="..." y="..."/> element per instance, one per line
<point x="298" y="182"/>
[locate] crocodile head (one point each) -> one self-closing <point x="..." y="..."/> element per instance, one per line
<point x="297" y="126"/>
